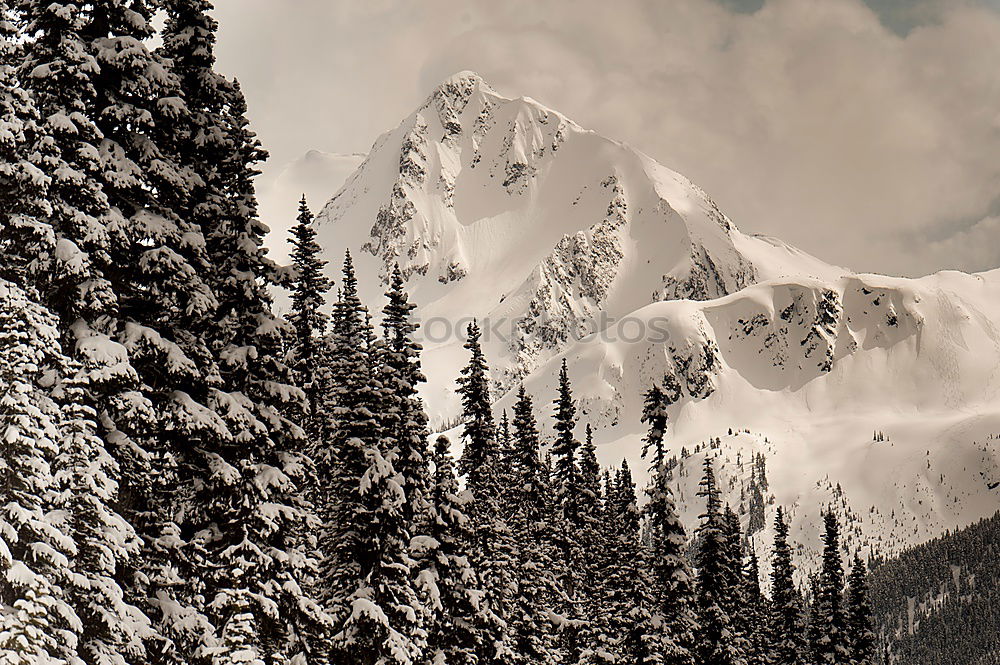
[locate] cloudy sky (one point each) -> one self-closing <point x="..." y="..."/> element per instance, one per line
<point x="865" y="133"/>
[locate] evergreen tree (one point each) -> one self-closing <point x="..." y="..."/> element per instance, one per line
<point x="828" y="623"/>
<point x="717" y="639"/>
<point x="537" y="585"/>
<point x="310" y="287"/>
<point x="654" y="415"/>
<point x="565" y="447"/>
<point x="673" y="614"/>
<point x="26" y="238"/>
<point x="385" y="622"/>
<point x="860" y="635"/>
<point x="785" y="624"/>
<point x="448" y="580"/>
<point x="590" y="477"/>
<point x="482" y="451"/>
<point x="348" y="430"/>
<point x="403" y="419"/>
<point x="38" y="624"/>
<point x="754" y="614"/>
<point x="493" y="547"/>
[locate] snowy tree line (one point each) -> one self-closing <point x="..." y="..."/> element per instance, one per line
<point x="189" y="478"/>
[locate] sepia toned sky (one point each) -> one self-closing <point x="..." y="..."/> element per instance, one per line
<point x="865" y="133"/>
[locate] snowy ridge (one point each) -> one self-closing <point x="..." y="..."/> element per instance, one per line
<point x="886" y="388"/>
<point x="505" y="210"/>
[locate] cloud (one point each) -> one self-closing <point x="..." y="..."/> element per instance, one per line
<point x="843" y="130"/>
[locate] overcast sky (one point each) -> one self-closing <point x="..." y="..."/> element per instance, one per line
<point x="865" y="133"/>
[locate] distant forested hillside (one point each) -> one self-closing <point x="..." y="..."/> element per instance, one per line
<point x="937" y="603"/>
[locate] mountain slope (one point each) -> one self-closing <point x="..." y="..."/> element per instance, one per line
<point x="877" y="396"/>
<point x="870" y="394"/>
<point x="502" y="209"/>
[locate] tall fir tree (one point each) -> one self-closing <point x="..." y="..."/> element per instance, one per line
<point x="565" y="448"/>
<point x="860" y="633"/>
<point x="785" y="627"/>
<point x="754" y="613"/>
<point x="537" y="589"/>
<point x="402" y="415"/>
<point x="310" y="286"/>
<point x="26" y="237"/>
<point x="459" y="613"/>
<point x="717" y="638"/>
<point x="38" y="623"/>
<point x="673" y="619"/>
<point x="828" y="622"/>
<point x="348" y="429"/>
<point x="493" y="547"/>
<point x="481" y="453"/>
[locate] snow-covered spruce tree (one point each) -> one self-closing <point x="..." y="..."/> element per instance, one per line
<point x="386" y="619"/>
<point x="250" y="511"/>
<point x="860" y="633"/>
<point x="734" y="572"/>
<point x="347" y="429"/>
<point x="106" y="545"/>
<point x="673" y="618"/>
<point x="565" y="448"/>
<point x="590" y="537"/>
<point x="403" y="419"/>
<point x="828" y="622"/>
<point x="459" y="613"/>
<point x="481" y="453"/>
<point x="310" y="286"/>
<point x="37" y="621"/>
<point x="570" y="519"/>
<point x="537" y="588"/>
<point x="58" y="70"/>
<point x="124" y="266"/>
<point x="785" y="629"/>
<point x="754" y="613"/>
<point x="654" y="416"/>
<point x="26" y="238"/>
<point x="716" y="637"/>
<point x="493" y="546"/>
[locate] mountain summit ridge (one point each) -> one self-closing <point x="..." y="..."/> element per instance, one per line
<point x="503" y="208"/>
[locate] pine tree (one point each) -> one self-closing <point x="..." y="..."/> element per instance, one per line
<point x="537" y="584"/>
<point x="785" y="623"/>
<point x="590" y="477"/>
<point x="493" y="547"/>
<point x="828" y="623"/>
<point x="482" y="451"/>
<point x="26" y="238"/>
<point x="58" y="70"/>
<point x="654" y="415"/>
<point x="754" y="614"/>
<point x="565" y="448"/>
<point x="38" y="623"/>
<point x="386" y="618"/>
<point x="717" y="638"/>
<point x="673" y="616"/>
<point x="403" y="420"/>
<point x="349" y="429"/>
<point x="310" y="287"/>
<point x="860" y="635"/>
<point x="459" y="615"/>
<point x="106" y="545"/>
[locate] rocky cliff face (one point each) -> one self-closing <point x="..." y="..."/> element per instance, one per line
<point x="506" y="210"/>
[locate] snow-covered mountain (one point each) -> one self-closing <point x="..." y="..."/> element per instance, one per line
<point x="566" y="244"/>
<point x="507" y="211"/>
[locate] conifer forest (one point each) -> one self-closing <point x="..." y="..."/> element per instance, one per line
<point x="193" y="472"/>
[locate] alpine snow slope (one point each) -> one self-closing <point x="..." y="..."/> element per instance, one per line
<point x="872" y="394"/>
